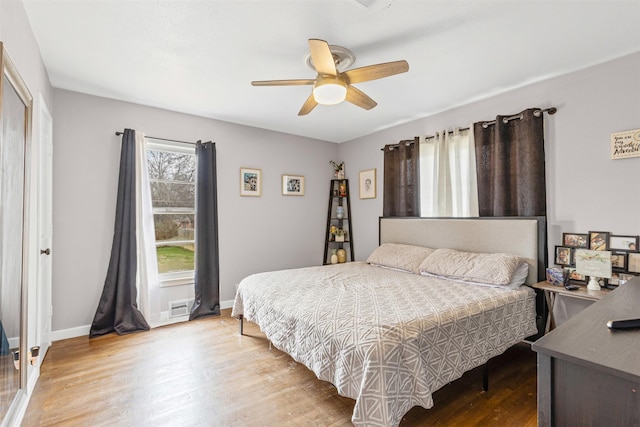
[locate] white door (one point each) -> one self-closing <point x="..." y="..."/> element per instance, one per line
<point x="45" y="227"/>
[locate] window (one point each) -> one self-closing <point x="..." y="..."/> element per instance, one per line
<point x="172" y="180"/>
<point x="448" y="184"/>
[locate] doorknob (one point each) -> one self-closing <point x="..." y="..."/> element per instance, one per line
<point x="45" y="251"/>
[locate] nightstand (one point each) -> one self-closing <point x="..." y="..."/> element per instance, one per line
<point x="550" y="292"/>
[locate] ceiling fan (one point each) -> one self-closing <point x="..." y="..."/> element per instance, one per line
<point x="332" y="85"/>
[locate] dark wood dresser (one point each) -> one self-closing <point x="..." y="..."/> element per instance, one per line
<point x="589" y="375"/>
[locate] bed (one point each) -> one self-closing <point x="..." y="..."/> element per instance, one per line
<point x="391" y="331"/>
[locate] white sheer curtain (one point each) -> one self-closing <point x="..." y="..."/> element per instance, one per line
<point x="448" y="181"/>
<point x="147" y="275"/>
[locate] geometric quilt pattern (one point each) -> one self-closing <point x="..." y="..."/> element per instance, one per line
<point x="386" y="338"/>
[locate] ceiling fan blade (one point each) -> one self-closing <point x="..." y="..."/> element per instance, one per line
<point x="378" y="71"/>
<point x="283" y="82"/>
<point x="359" y="98"/>
<point x="308" y="105"/>
<point x="322" y="57"/>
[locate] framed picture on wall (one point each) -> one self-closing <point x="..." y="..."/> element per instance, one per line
<point x="575" y="240"/>
<point x="250" y="182"/>
<point x="598" y="240"/>
<point x="368" y="184"/>
<point x="292" y="185"/>
<point x="623" y="243"/>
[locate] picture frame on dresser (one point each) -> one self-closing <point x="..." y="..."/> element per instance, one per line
<point x="575" y="240"/>
<point x="633" y="262"/>
<point x="574" y="276"/>
<point x="624" y="278"/>
<point x="563" y="256"/>
<point x="614" y="280"/>
<point x="599" y="240"/>
<point x="619" y="261"/>
<point x="623" y="243"/>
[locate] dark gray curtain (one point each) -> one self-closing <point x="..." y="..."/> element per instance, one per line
<point x="401" y="195"/>
<point x="4" y="345"/>
<point x="207" y="276"/>
<point x="117" y="310"/>
<point x="511" y="167"/>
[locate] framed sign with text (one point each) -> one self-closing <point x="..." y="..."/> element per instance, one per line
<point x="625" y="144"/>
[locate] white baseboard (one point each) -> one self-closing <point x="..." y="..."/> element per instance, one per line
<point x="80" y="331"/>
<point x="64" y="334"/>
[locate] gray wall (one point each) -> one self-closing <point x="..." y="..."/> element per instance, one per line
<point x="586" y="190"/>
<point x="19" y="41"/>
<point x="256" y="233"/>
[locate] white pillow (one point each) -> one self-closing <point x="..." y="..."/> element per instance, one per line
<point x="488" y="268"/>
<point x="519" y="278"/>
<point x="520" y="275"/>
<point x="399" y="256"/>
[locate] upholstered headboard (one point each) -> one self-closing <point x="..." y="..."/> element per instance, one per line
<point x="522" y="236"/>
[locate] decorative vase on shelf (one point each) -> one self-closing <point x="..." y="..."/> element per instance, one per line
<point x="340" y="237"/>
<point x="342" y="256"/>
<point x="339" y="212"/>
<point x="334" y="257"/>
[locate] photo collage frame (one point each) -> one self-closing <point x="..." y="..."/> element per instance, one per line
<point x="625" y="257"/>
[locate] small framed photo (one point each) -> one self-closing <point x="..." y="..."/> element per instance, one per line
<point x="614" y="279"/>
<point x="574" y="276"/>
<point x="292" y="185"/>
<point x="563" y="255"/>
<point x="633" y="262"/>
<point x="368" y="184"/>
<point x="619" y="261"/>
<point x="624" y="278"/>
<point x="623" y="243"/>
<point x="598" y="240"/>
<point x="250" y="182"/>
<point x="574" y="240"/>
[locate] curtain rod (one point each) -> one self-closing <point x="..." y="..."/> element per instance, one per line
<point x="537" y="113"/>
<point x="407" y="142"/>
<point x="165" y="139"/>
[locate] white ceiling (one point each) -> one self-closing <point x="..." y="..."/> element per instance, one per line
<point x="199" y="57"/>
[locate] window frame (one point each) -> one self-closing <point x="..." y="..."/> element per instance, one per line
<point x="174" y="278"/>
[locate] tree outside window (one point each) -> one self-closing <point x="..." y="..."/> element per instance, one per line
<point x="172" y="180"/>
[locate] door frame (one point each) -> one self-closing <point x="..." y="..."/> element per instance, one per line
<point x="44" y="189"/>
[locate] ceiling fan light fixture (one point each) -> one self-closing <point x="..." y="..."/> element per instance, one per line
<point x="333" y="84"/>
<point x="329" y="90"/>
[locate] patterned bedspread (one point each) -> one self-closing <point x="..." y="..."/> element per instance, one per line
<point x="385" y="338"/>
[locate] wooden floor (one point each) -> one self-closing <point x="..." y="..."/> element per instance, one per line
<point x="203" y="373"/>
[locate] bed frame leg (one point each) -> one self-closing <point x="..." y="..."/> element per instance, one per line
<point x="485" y="377"/>
<point x="240" y="318"/>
